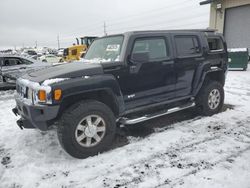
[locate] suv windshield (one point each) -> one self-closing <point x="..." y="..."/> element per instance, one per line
<point x="105" y="49"/>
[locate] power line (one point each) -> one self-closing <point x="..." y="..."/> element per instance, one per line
<point x="169" y="6"/>
<point x="129" y="17"/>
<point x="155" y="25"/>
<point x="158" y="23"/>
<point x="149" y="14"/>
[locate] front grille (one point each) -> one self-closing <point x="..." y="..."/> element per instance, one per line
<point x="22" y="90"/>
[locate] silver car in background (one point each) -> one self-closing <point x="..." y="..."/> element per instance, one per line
<point x="12" y="67"/>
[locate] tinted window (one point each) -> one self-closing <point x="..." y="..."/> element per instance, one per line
<point x="187" y="45"/>
<point x="66" y="52"/>
<point x="215" y="44"/>
<point x="12" y="62"/>
<point x="74" y="52"/>
<point x="156" y="48"/>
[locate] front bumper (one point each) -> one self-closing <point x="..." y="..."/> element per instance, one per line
<point x="34" y="116"/>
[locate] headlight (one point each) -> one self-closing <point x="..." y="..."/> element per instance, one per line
<point x="42" y="96"/>
<point x="36" y="93"/>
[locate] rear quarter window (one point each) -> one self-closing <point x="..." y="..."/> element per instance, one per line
<point x="215" y="44"/>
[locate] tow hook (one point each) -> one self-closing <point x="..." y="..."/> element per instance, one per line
<point x="15" y="111"/>
<point x="20" y="124"/>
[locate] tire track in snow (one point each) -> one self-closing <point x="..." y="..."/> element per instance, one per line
<point x="168" y="156"/>
<point x="198" y="170"/>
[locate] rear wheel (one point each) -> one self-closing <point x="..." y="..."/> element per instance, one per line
<point x="210" y="99"/>
<point x="86" y="129"/>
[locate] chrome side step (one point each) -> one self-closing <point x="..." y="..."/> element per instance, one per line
<point x="126" y="121"/>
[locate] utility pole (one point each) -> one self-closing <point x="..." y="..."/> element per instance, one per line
<point x="36" y="44"/>
<point x="104" y="29"/>
<point x="58" y="41"/>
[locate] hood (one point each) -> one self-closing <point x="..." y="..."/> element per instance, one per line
<point x="69" y="70"/>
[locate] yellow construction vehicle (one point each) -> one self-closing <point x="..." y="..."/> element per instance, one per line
<point x="78" y="50"/>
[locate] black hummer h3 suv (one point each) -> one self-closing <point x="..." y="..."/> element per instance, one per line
<point x="124" y="79"/>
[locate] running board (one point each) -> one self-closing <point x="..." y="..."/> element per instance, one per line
<point x="126" y="121"/>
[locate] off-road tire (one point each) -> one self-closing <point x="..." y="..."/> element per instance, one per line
<point x="203" y="97"/>
<point x="71" y="118"/>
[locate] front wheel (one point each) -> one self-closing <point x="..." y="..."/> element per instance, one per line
<point x="86" y="129"/>
<point x="210" y="99"/>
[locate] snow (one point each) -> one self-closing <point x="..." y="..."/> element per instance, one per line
<point x="53" y="81"/>
<point x="237" y="50"/>
<point x="34" y="85"/>
<point x="179" y="150"/>
<point x="100" y="60"/>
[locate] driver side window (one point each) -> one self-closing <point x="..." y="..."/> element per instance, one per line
<point x="155" y="47"/>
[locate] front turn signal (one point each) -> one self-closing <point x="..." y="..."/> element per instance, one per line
<point x="57" y="94"/>
<point x="42" y="95"/>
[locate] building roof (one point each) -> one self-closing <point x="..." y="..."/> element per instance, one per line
<point x="206" y="2"/>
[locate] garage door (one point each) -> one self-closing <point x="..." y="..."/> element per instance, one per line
<point x="237" y="27"/>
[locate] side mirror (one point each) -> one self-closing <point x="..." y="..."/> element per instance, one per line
<point x="140" y="57"/>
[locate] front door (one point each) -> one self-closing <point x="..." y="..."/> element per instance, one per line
<point x="153" y="80"/>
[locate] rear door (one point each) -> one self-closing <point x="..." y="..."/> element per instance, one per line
<point x="188" y="56"/>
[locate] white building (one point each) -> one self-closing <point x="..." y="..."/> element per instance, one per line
<point x="232" y="18"/>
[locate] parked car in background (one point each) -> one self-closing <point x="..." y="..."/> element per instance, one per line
<point x="28" y="52"/>
<point x="49" y="58"/>
<point x="60" y="52"/>
<point x="12" y="67"/>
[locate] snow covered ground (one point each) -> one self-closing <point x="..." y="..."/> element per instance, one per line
<point x="178" y="150"/>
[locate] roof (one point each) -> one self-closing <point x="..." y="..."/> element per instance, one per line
<point x="207" y="2"/>
<point x="129" y="33"/>
<point x="169" y="31"/>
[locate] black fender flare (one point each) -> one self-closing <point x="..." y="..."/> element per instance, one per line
<point x="204" y="74"/>
<point x="87" y="84"/>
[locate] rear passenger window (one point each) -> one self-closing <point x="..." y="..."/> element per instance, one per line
<point x="155" y="47"/>
<point x="187" y="45"/>
<point x="215" y="44"/>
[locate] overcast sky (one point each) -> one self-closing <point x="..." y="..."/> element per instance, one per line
<point x="22" y="22"/>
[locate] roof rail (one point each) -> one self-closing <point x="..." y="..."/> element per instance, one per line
<point x="205" y="30"/>
<point x="178" y="30"/>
